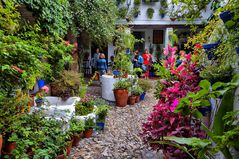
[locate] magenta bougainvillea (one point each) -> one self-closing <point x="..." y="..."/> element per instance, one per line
<point x="163" y="121"/>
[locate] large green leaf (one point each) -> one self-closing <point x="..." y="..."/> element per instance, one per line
<point x="204" y="84"/>
<point x="193" y="141"/>
<point x="225" y="106"/>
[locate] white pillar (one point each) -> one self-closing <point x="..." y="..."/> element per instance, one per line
<point x="168" y="31"/>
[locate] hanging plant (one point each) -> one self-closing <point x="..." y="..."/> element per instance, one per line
<point x="135" y="12"/>
<point x="137" y="2"/>
<point x="150" y="13"/>
<point x="122" y="12"/>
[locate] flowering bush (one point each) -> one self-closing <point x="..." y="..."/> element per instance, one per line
<point x="85" y="105"/>
<point x="163" y="121"/>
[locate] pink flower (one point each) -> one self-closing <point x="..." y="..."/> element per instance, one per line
<point x="45" y="89"/>
<point x="174" y="104"/>
<point x="165" y="51"/>
<point x="188" y="56"/>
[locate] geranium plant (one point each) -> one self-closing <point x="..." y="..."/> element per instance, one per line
<point x="163" y="121"/>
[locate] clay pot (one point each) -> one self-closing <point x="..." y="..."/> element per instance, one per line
<point x="173" y="19"/>
<point x="137" y="99"/>
<point x="88" y="133"/>
<point x="121" y="97"/>
<point x="97" y="76"/>
<point x="125" y="75"/>
<point x="9" y="147"/>
<point x="68" y="150"/>
<point x="76" y="139"/>
<point x="132" y="100"/>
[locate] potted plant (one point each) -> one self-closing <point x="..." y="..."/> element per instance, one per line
<point x="136" y="91"/>
<point x="150" y="13"/>
<point x="121" y="92"/>
<point x="77" y="128"/>
<point x="137" y="2"/>
<point x="101" y="112"/>
<point x="163" y="8"/>
<point x="85" y="106"/>
<point x="122" y="64"/>
<point x="162" y="12"/>
<point x="237" y="50"/>
<point x="145" y="85"/>
<point x="132" y="99"/>
<point x="135" y="11"/>
<point x="89" y="125"/>
<point x="226" y="16"/>
<point x="66" y="85"/>
<point x="209" y="49"/>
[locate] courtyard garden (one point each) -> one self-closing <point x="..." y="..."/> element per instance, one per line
<point x="184" y="103"/>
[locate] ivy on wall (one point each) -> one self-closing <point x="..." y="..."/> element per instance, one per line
<point x="97" y="18"/>
<point x="54" y="16"/>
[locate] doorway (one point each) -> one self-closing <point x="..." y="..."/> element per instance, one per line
<point x="139" y="45"/>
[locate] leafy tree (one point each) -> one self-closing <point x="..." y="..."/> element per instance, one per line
<point x="97" y="18"/>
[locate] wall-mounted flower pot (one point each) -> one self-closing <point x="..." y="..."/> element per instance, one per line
<point x="209" y="49"/>
<point x="142" y="96"/>
<point x="41" y="83"/>
<point x="88" y="133"/>
<point x="210" y="46"/>
<point x="173" y="19"/>
<point x="237" y="50"/>
<point x="162" y="15"/>
<point x="100" y="125"/>
<point x="226" y="16"/>
<point x="121" y="97"/>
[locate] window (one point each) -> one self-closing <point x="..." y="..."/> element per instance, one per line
<point x="158" y="37"/>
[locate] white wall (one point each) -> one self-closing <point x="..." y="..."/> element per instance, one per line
<point x="142" y="19"/>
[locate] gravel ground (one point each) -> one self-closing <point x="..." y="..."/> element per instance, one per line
<point x="120" y="139"/>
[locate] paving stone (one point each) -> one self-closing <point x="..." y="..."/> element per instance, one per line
<point x="120" y="139"/>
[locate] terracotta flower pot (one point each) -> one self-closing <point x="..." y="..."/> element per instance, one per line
<point x="9" y="147"/>
<point x="68" y="150"/>
<point x="137" y="99"/>
<point x="76" y="139"/>
<point x="173" y="19"/>
<point x="88" y="133"/>
<point x="132" y="100"/>
<point x="121" y="97"/>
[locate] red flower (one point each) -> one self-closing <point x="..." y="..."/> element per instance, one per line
<point x="198" y="46"/>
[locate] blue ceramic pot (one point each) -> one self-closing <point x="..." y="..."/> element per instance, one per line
<point x="210" y="46"/>
<point x="162" y="15"/>
<point x="100" y="125"/>
<point x="141" y="97"/>
<point x="116" y="72"/>
<point x="39" y="101"/>
<point x="237" y="50"/>
<point x="226" y="16"/>
<point x="41" y="83"/>
<point x="204" y="110"/>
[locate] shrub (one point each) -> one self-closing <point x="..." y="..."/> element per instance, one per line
<point x="85" y="106"/>
<point x="163" y="121"/>
<point x="122" y="84"/>
<point x="144" y="84"/>
<point x="67" y="85"/>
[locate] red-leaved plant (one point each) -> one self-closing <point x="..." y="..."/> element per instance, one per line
<point x="163" y="121"/>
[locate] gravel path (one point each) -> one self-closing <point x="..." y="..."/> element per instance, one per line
<point x="120" y="139"/>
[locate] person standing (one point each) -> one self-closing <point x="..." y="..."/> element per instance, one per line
<point x="101" y="64"/>
<point x="147" y="62"/>
<point x="95" y="59"/>
<point x="137" y="61"/>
